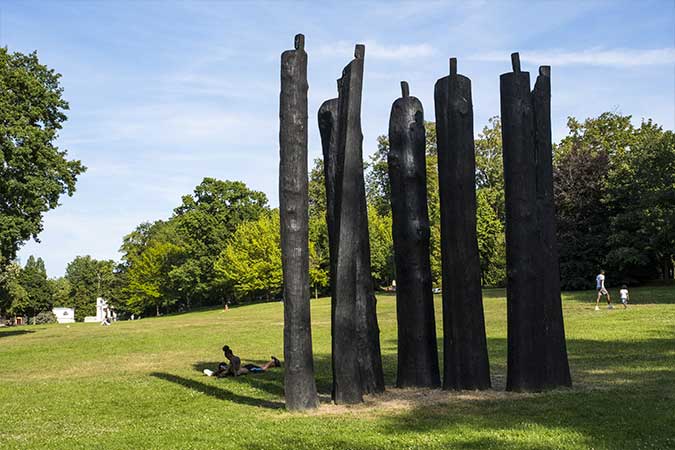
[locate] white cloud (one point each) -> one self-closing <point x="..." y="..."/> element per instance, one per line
<point x="376" y="50"/>
<point x="589" y="57"/>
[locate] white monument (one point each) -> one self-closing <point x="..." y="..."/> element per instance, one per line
<point x="64" y="315"/>
<point x="103" y="312"/>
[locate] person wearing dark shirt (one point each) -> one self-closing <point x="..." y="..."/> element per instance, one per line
<point x="235" y="368"/>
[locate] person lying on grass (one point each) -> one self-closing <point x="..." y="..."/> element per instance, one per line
<point x="235" y="368"/>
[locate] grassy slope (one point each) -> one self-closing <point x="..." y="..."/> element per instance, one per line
<point x="139" y="385"/>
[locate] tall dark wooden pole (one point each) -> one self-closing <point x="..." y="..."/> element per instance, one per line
<point x="537" y="358"/>
<point x="299" y="383"/>
<point x="557" y="371"/>
<point x="328" y="122"/>
<point x="417" y="346"/>
<point x="367" y="329"/>
<point x="357" y="363"/>
<point x="465" y="361"/>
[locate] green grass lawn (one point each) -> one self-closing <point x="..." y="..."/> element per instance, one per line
<point x="139" y="385"/>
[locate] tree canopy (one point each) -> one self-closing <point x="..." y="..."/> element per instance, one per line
<point x="34" y="172"/>
<point x="615" y="205"/>
<point x="615" y="201"/>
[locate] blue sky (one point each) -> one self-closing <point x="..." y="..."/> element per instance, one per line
<point x="163" y="94"/>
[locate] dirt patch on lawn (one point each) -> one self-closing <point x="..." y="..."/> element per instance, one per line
<point x="394" y="400"/>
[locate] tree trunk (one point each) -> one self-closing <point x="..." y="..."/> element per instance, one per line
<point x="417" y="346"/>
<point x="465" y="360"/>
<point x="299" y="383"/>
<point x="537" y="357"/>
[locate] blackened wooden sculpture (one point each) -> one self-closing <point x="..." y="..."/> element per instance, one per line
<point x="557" y="372"/>
<point x="465" y="357"/>
<point x="357" y="363"/>
<point x="328" y="121"/>
<point x="417" y="346"/>
<point x="537" y="356"/>
<point x="299" y="383"/>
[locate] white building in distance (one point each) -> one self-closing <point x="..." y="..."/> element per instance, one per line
<point x="64" y="315"/>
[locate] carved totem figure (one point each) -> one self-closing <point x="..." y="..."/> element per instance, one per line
<point x="417" y="346"/>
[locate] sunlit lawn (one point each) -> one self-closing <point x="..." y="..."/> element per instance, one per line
<point x="139" y="385"/>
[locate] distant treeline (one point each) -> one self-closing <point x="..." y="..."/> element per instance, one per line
<point x="615" y="199"/>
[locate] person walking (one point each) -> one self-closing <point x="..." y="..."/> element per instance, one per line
<point x="624" y="296"/>
<point x="600" y="287"/>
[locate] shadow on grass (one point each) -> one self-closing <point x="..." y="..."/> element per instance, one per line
<point x="4" y="333"/>
<point x="271" y="381"/>
<point x="217" y="392"/>
<point x="623" y="397"/>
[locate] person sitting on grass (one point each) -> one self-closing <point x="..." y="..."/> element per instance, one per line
<point x="235" y="368"/>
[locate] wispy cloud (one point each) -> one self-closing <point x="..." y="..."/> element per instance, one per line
<point x="589" y="57"/>
<point x="376" y="50"/>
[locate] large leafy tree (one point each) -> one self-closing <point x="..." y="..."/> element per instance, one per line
<point x="149" y="285"/>
<point x="640" y="199"/>
<point x="582" y="162"/>
<point x="90" y="278"/>
<point x="34" y="172"/>
<point x="205" y="220"/>
<point x="251" y="261"/>
<point x="13" y="297"/>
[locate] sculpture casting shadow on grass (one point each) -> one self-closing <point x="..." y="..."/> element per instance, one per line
<point x="612" y="379"/>
<point x="271" y="381"/>
<point x="218" y="392"/>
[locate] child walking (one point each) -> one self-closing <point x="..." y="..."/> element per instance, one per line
<point x="624" y="295"/>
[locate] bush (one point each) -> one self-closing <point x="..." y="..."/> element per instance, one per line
<point x="45" y="317"/>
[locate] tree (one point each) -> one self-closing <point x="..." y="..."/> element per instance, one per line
<point x="89" y="279"/>
<point x="13" y="296"/>
<point x="641" y="200"/>
<point x="34" y="172"/>
<point x="491" y="245"/>
<point x="582" y="162"/>
<point x="381" y="247"/>
<point x="490" y="166"/>
<point x="251" y="261"/>
<point x="33" y="279"/>
<point x="60" y="288"/>
<point x="149" y="285"/>
<point x="319" y="256"/>
<point x="155" y="244"/>
<point x="490" y="204"/>
<point x="205" y="221"/>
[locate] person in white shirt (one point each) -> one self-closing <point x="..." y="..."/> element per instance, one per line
<point x="600" y="287"/>
<point x="624" y="295"/>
